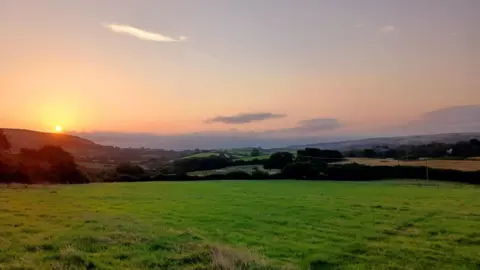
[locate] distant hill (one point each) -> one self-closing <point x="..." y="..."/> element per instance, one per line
<point x="392" y="141"/>
<point x="21" y="138"/>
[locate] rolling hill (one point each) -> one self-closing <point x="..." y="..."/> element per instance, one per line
<point x="21" y="138"/>
<point x="391" y="141"/>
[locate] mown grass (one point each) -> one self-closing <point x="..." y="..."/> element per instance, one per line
<point x="241" y="225"/>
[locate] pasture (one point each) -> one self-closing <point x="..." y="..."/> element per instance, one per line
<point x="241" y="225"/>
<point x="202" y="155"/>
<point x="472" y="164"/>
<point x="244" y="168"/>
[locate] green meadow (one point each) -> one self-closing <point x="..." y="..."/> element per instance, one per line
<point x="241" y="225"/>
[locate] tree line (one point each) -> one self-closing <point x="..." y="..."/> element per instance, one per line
<point x="52" y="164"/>
<point x="49" y="164"/>
<point x="459" y="150"/>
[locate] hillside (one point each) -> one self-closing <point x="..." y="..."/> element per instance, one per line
<point x="392" y="141"/>
<point x="21" y="138"/>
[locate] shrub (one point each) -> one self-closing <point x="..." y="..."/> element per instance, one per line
<point x="259" y="174"/>
<point x="130" y="169"/>
<point x="4" y="142"/>
<point x="279" y="160"/>
<point x="304" y="170"/>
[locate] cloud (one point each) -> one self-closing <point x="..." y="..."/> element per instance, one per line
<point x="387" y="29"/>
<point x="360" y="25"/>
<point x="456" y="119"/>
<point x="305" y="132"/>
<point x="318" y="124"/>
<point x="142" y="34"/>
<point x="309" y="126"/>
<point x="450" y="119"/>
<point x="244" y="118"/>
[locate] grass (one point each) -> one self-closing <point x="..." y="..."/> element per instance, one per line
<point x="463" y="165"/>
<point x="261" y="157"/>
<point x="202" y="155"/>
<point x="244" y="168"/>
<point x="241" y="225"/>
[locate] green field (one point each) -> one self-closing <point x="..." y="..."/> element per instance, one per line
<point x="261" y="157"/>
<point x="244" y="168"/>
<point x="241" y="225"/>
<point x="203" y="155"/>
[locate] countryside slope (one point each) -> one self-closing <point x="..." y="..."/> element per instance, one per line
<point x="392" y="141"/>
<point x="21" y="138"/>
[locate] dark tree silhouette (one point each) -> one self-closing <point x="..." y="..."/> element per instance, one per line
<point x="314" y="154"/>
<point x="4" y="143"/>
<point x="129" y="169"/>
<point x="279" y="160"/>
<point x="369" y="153"/>
<point x="255" y="152"/>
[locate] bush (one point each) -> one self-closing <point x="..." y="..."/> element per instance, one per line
<point x="4" y="142"/>
<point x="130" y="169"/>
<point x="310" y="154"/>
<point x="182" y="166"/>
<point x="259" y="174"/>
<point x="304" y="170"/>
<point x="255" y="152"/>
<point x="238" y="175"/>
<point x="279" y="160"/>
<point x="49" y="164"/>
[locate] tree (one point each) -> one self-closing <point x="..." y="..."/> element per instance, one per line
<point x="369" y="153"/>
<point x="55" y="155"/>
<point x="182" y="166"/>
<point x="315" y="154"/>
<point x="279" y="160"/>
<point x="475" y="142"/>
<point x="304" y="170"/>
<point x="129" y="169"/>
<point x="63" y="168"/>
<point x="255" y="152"/>
<point x="4" y="143"/>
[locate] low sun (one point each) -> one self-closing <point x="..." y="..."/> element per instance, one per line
<point x="58" y="128"/>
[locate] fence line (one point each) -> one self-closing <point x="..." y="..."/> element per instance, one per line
<point x="429" y="163"/>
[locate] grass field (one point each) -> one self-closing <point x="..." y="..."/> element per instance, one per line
<point x="244" y="168"/>
<point x="463" y="165"/>
<point x="203" y="155"/>
<point x="241" y="225"/>
<point x="261" y="157"/>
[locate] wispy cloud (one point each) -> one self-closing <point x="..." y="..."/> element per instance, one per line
<point x="360" y="25"/>
<point x="387" y="29"/>
<point x="141" y="34"/>
<point x="244" y="118"/>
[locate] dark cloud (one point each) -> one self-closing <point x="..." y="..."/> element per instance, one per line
<point x="456" y="119"/>
<point x="453" y="115"/>
<point x="244" y="118"/>
<point x="450" y="119"/>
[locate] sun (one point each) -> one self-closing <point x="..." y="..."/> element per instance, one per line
<point x="58" y="129"/>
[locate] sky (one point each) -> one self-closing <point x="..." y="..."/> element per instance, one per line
<point x="275" y="68"/>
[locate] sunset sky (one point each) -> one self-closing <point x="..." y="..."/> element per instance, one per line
<point x="175" y="67"/>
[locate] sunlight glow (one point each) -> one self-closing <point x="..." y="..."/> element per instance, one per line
<point x="58" y="129"/>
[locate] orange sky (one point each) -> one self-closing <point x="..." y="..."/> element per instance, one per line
<point x="62" y="66"/>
